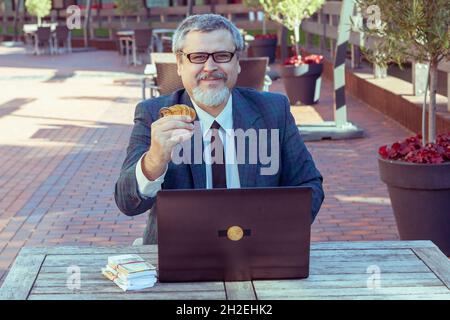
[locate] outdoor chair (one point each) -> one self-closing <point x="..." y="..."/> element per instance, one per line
<point x="150" y="69"/>
<point x="253" y="73"/>
<point x="62" y="36"/>
<point x="167" y="79"/>
<point x="142" y="42"/>
<point x="119" y="41"/>
<point x="43" y="38"/>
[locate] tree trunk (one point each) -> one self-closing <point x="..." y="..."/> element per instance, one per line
<point x="297" y="39"/>
<point x="87" y="23"/>
<point x="17" y="6"/>
<point x="432" y="103"/>
<point x="264" y="25"/>
<point x="190" y="7"/>
<point x="4" y="24"/>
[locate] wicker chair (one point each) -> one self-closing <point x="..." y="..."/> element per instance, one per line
<point x="167" y="79"/>
<point x="253" y="73"/>
<point x="162" y="57"/>
<point x="150" y="69"/>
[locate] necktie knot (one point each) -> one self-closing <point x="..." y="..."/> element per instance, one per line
<point x="215" y="125"/>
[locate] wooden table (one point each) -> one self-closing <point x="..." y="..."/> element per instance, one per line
<point x="339" y="270"/>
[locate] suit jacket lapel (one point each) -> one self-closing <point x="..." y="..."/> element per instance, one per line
<point x="245" y="117"/>
<point x="197" y="168"/>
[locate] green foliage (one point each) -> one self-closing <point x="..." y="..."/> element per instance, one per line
<point x="415" y="29"/>
<point x="128" y="7"/>
<point x="251" y="3"/>
<point x="39" y="8"/>
<point x="291" y="13"/>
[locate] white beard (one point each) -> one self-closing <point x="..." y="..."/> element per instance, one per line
<point x="210" y="97"/>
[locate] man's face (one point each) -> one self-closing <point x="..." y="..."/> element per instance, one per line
<point x="209" y="82"/>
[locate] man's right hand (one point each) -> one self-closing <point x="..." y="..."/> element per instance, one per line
<point x="166" y="133"/>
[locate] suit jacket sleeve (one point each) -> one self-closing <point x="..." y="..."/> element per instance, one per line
<point x="126" y="194"/>
<point x="297" y="165"/>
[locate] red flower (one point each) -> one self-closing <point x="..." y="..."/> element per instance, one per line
<point x="411" y="150"/>
<point x="298" y="60"/>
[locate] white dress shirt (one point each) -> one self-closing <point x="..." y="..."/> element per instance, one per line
<point x="148" y="188"/>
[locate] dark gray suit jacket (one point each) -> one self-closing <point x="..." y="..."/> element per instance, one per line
<point x="251" y="109"/>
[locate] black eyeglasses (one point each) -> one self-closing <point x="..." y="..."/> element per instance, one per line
<point x="202" y="57"/>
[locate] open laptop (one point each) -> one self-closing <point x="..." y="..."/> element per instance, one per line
<point x="233" y="234"/>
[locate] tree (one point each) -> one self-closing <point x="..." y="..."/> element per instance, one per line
<point x="126" y="8"/>
<point x="254" y="4"/>
<point x="415" y="30"/>
<point x="291" y="13"/>
<point x="39" y="8"/>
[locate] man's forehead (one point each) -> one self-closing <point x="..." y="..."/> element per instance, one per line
<point x="216" y="40"/>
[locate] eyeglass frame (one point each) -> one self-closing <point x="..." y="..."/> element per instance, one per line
<point x="209" y="54"/>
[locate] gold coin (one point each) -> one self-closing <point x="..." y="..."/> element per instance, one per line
<point x="235" y="233"/>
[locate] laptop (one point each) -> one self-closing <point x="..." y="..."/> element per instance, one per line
<point x="233" y="234"/>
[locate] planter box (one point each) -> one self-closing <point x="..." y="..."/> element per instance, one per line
<point x="302" y="83"/>
<point x="420" y="197"/>
<point x="264" y="48"/>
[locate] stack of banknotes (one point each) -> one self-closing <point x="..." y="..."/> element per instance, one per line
<point x="130" y="272"/>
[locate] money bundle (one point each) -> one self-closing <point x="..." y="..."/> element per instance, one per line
<point x="130" y="272"/>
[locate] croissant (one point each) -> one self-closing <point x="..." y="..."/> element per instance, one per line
<point x="177" y="109"/>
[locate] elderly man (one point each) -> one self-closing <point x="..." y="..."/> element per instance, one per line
<point x="207" y="48"/>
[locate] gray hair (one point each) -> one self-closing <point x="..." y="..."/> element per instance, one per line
<point x="205" y="23"/>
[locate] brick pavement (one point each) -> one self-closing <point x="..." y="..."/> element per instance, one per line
<point x="65" y="122"/>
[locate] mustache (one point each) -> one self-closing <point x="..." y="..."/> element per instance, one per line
<point x="216" y="75"/>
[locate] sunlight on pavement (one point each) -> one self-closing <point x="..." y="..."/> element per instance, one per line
<point x="371" y="200"/>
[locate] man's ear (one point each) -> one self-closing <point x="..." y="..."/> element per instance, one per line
<point x="239" y="67"/>
<point x="179" y="66"/>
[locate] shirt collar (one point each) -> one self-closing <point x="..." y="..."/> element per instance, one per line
<point x="225" y="117"/>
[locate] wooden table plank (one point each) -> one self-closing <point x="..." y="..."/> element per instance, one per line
<point x="53" y="260"/>
<point x="437" y="262"/>
<point x="108" y="286"/>
<point x="385" y="282"/>
<point x="376" y="245"/>
<point x="344" y="293"/>
<point x="113" y="250"/>
<point x="201" y="295"/>
<point x="240" y="290"/>
<point x="18" y="284"/>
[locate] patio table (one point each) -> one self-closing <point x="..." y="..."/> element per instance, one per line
<point x="338" y="270"/>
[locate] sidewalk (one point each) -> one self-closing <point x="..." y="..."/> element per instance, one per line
<point x="65" y="122"/>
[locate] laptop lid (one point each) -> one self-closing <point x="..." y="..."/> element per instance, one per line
<point x="233" y="234"/>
